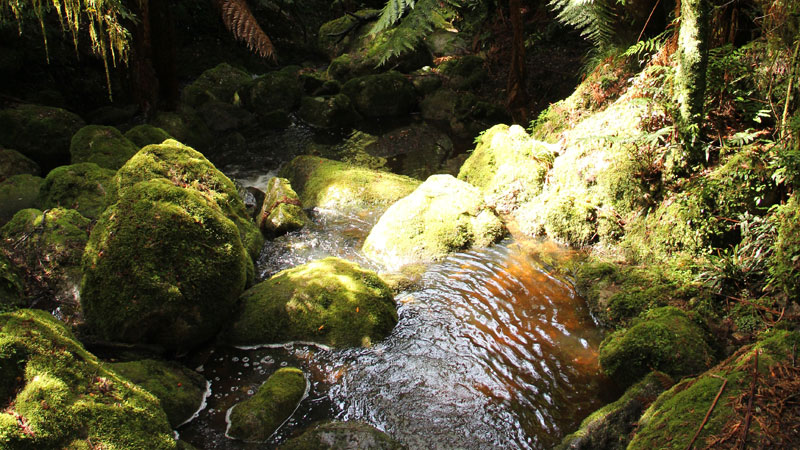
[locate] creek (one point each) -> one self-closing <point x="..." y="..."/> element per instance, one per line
<point x="493" y="349"/>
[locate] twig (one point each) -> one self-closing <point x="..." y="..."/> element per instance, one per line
<point x="648" y="20"/>
<point x="749" y="415"/>
<point x="708" y="414"/>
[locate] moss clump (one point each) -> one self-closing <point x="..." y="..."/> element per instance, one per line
<point x="187" y="168"/>
<point x="258" y="417"/>
<point x="343" y="435"/>
<point x="334" y="185"/>
<point x="185" y="125"/>
<point x="382" y="95"/>
<point x="12" y="289"/>
<point x="281" y="211"/>
<point x="464" y="73"/>
<point x="442" y="215"/>
<point x="785" y="265"/>
<point x="179" y="390"/>
<point x="18" y="192"/>
<point x="610" y="427"/>
<point x="13" y="163"/>
<point x="62" y="395"/>
<point x="145" y="134"/>
<point x="664" y="339"/>
<point x="346" y="66"/>
<point x="222" y="83"/>
<point x="508" y="166"/>
<point x="330" y="41"/>
<point x="41" y="133"/>
<point x="102" y="145"/>
<point x="466" y="114"/>
<point x="163" y="265"/>
<point x="672" y="420"/>
<point x="82" y="187"/>
<point x="331" y="111"/>
<point x="272" y="91"/>
<point x="330" y="301"/>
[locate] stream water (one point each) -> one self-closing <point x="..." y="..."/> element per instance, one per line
<point x="492" y="350"/>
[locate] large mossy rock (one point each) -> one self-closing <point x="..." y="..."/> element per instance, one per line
<point x="383" y="95"/>
<point x="328" y="184"/>
<point x="180" y="390"/>
<point x="186" y="125"/>
<point x="329" y="111"/>
<point x="274" y="90"/>
<point x="188" y="168"/>
<point x="281" y="210"/>
<point x="12" y="288"/>
<point x="343" y="436"/>
<point x="164" y="266"/>
<point x="664" y="339"/>
<point x="102" y="145"/>
<point x="673" y="419"/>
<point x="465" y="114"/>
<point x="18" y="192"/>
<point x="41" y="133"/>
<point x="146" y="134"/>
<point x="83" y="187"/>
<point x="330" y="301"/>
<point x="223" y="83"/>
<point x="221" y="117"/>
<point x="441" y="216"/>
<point x="611" y="426"/>
<point x="256" y="418"/>
<point x="58" y="395"/>
<point x="13" y="163"/>
<point x="508" y="166"/>
<point x="333" y="39"/>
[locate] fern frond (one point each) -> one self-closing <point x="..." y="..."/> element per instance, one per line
<point x="595" y="19"/>
<point x="391" y="14"/>
<point x="239" y="20"/>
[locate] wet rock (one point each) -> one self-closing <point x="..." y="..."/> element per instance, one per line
<point x="274" y="90"/>
<point x="180" y="390"/>
<point x="383" y="95"/>
<point x="65" y="397"/>
<point x="334" y="111"/>
<point x="442" y="215"/>
<point x="258" y="417"/>
<point x="664" y="339"/>
<point x="343" y="436"/>
<point x="223" y="83"/>
<point x="41" y="133"/>
<point x="18" y="192"/>
<point x="330" y="301"/>
<point x="281" y="211"/>
<point x="145" y="134"/>
<point x="425" y="81"/>
<point x="82" y="187"/>
<point x="13" y="163"/>
<point x="221" y="117"/>
<point x="274" y="120"/>
<point x="331" y="184"/>
<point x="12" y="289"/>
<point x="164" y="266"/>
<point x="102" y="145"/>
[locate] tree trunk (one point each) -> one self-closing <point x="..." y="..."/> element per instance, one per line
<point x="153" y="72"/>
<point x="517" y="102"/>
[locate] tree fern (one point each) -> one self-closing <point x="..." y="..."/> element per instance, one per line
<point x="595" y="19"/>
<point x="243" y="25"/>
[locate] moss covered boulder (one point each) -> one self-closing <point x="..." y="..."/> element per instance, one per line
<point x="41" y="133"/>
<point x="12" y="289"/>
<point x="673" y="419"/>
<point x="442" y="215"/>
<point x="335" y="185"/>
<point x="664" y="339"/>
<point x="187" y="168"/>
<point x="18" y="192"/>
<point x="258" y="417"/>
<point x="610" y="427"/>
<point x="164" y="266"/>
<point x="465" y="114"/>
<point x="333" y="37"/>
<point x="185" y="125"/>
<point x="180" y="390"/>
<point x="13" y="163"/>
<point x="383" y="95"/>
<point x="146" y="134"/>
<point x="330" y="301"/>
<point x="272" y="91"/>
<point x="57" y="395"/>
<point x="221" y="117"/>
<point x="82" y="187"/>
<point x="102" y="145"/>
<point x="223" y="83"/>
<point x="343" y="435"/>
<point x="329" y="111"/>
<point x="281" y="210"/>
<point x="508" y="165"/>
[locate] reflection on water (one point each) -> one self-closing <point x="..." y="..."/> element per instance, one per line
<point x="491" y="351"/>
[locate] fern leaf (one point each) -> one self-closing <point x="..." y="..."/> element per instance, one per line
<point x="595" y="19"/>
<point x="239" y="20"/>
<point x="391" y="14"/>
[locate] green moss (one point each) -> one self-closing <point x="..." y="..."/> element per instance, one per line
<point x="334" y="185"/>
<point x="82" y="187"/>
<point x="163" y="265"/>
<point x="13" y="163"/>
<point x="664" y="339"/>
<point x="145" y="134"/>
<point x="274" y="90"/>
<point x="464" y="73"/>
<point x="333" y="111"/>
<point x="785" y="265"/>
<point x="187" y="168"/>
<point x="63" y="395"/>
<point x="346" y="66"/>
<point x="330" y="301"/>
<point x="281" y="210"/>
<point x="222" y="83"/>
<point x="102" y="145"/>
<point x="185" y="125"/>
<point x="256" y="418"/>
<point x="330" y="41"/>
<point x="18" y="192"/>
<point x="41" y="133"/>
<point x="442" y="215"/>
<point x="11" y="288"/>
<point x="179" y="390"/>
<point x="342" y="435"/>
<point x="382" y="95"/>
